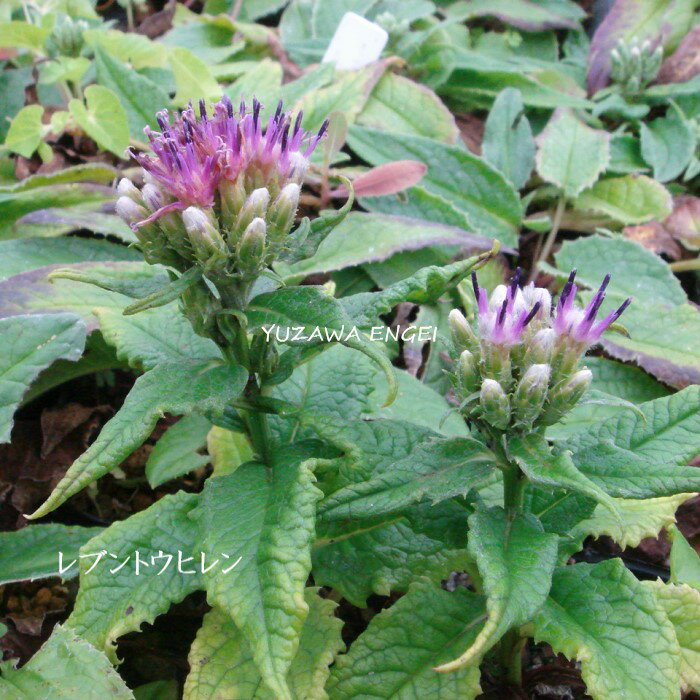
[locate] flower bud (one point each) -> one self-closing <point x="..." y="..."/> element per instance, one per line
<point x="495" y="407"/>
<point x="251" y="248"/>
<point x="126" y="188"/>
<point x="152" y="197"/>
<point x="299" y="164"/>
<point x="280" y="216"/>
<point x="566" y="395"/>
<point x="467" y="373"/>
<point x="208" y="245"/>
<point x="254" y="207"/>
<point x="460" y="331"/>
<point x="541" y="347"/>
<point x="233" y="195"/>
<point x="129" y="210"/>
<point x="530" y="394"/>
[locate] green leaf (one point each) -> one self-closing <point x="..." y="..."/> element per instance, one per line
<point x="228" y="450"/>
<point x="635" y="457"/>
<point x="154" y="336"/>
<point x="668" y="144"/>
<point x="682" y="606"/>
<point x="267" y="521"/>
<point x="570" y="154"/>
<point x="401" y="106"/>
<point x="525" y="14"/>
<point x="436" y="470"/>
<point x="130" y="280"/>
<point x="103" y="118"/>
<point x="362" y="238"/>
<point x="685" y="562"/>
<point x="348" y="94"/>
<point x="478" y="78"/>
<point x="140" y="97"/>
<point x="423" y="629"/>
<point x="28" y="254"/>
<point x="508" y="144"/>
<point x="193" y="78"/>
<point x="631" y="199"/>
<point x="664" y="328"/>
<point x="637" y="519"/>
<point x="311" y="309"/>
<point x="176" y="453"/>
<point x="544" y="468"/>
<point x="65" y="668"/>
<point x="33" y="343"/>
<point x="616" y="379"/>
<point x="614" y="625"/>
<point x="23" y="35"/>
<point x="13" y="82"/>
<point x="516" y="559"/>
<point x="264" y="82"/>
<point x="221" y="661"/>
<point x="26" y="131"/>
<point x="464" y="180"/>
<point x="359" y="560"/>
<point x="173" y="387"/>
<point x="132" y="48"/>
<point x="111" y="603"/>
<point x="32" y="552"/>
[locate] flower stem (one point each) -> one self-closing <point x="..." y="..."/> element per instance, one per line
<point x="543" y="254"/>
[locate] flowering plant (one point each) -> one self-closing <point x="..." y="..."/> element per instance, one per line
<point x="318" y="493"/>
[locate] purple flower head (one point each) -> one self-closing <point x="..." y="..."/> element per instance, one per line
<point x="503" y="318"/>
<point x="198" y="150"/>
<point x="580" y="324"/>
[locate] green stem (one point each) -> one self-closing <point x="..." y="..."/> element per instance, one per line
<point x="551" y="236"/>
<point x="685" y="265"/>
<point x="511" y="657"/>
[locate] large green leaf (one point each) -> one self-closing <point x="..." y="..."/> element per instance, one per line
<point x="28" y="254"/>
<point x="435" y="470"/>
<point x="642" y="457"/>
<point x="268" y="521"/>
<point x="544" y="468"/>
<point x="479" y="77"/>
<point x="113" y="601"/>
<point x="508" y="144"/>
<point x="65" y="668"/>
<point x="140" y="97"/>
<point x="172" y="387"/>
<point x="631" y="199"/>
<point x="307" y="310"/>
<point x="264" y="81"/>
<point x="362" y="238"/>
<point x="32" y="344"/>
<point x="668" y="144"/>
<point x="222" y="664"/>
<point x="401" y="106"/>
<point x="638" y="518"/>
<point x="570" y="154"/>
<point x="516" y="559"/>
<point x="616" y="379"/>
<point x="682" y="605"/>
<point x="33" y="551"/>
<point x="602" y="616"/>
<point x="193" y="78"/>
<point x="469" y="183"/>
<point x="396" y="655"/>
<point x="103" y="118"/>
<point x="526" y="14"/>
<point x="664" y="329"/>
<point x="154" y="336"/>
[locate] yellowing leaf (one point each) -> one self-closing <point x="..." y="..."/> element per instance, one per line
<point x="193" y="78"/>
<point x="103" y="119"/>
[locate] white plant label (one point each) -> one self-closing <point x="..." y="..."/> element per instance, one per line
<point x="357" y="42"/>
